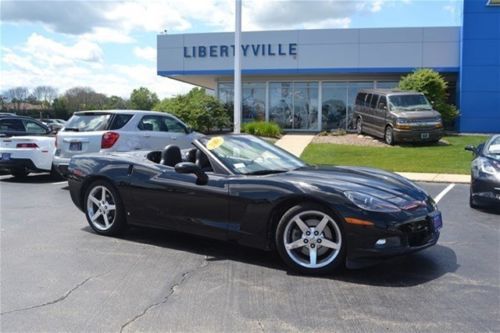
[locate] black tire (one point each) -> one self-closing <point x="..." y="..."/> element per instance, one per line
<point x="328" y="259"/>
<point x="19" y="173"/>
<point x="55" y="175"/>
<point x="389" y="136"/>
<point x="117" y="221"/>
<point x="472" y="202"/>
<point x="359" y="126"/>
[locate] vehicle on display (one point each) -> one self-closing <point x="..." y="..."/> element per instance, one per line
<point x="118" y="130"/>
<point x="54" y="124"/>
<point x="397" y="116"/>
<point x="26" y="145"/>
<point x="241" y="188"/>
<point x="485" y="174"/>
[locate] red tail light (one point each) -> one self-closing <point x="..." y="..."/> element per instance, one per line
<point x="109" y="139"/>
<point x="26" y="145"/>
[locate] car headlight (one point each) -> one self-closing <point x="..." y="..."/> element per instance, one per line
<point x="402" y="121"/>
<point x="485" y="166"/>
<point x="371" y="203"/>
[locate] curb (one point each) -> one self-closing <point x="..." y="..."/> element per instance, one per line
<point x="436" y="177"/>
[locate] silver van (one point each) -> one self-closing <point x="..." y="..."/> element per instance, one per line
<point x="397" y="116"/>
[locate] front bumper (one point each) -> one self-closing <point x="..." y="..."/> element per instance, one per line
<point x="486" y="191"/>
<point x="61" y="165"/>
<point x="418" y="135"/>
<point x="371" y="244"/>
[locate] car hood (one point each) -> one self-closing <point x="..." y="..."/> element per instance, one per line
<point x="381" y="184"/>
<point x="417" y="114"/>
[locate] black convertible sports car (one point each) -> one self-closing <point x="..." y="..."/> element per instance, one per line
<point x="485" y="174"/>
<point x="241" y="188"/>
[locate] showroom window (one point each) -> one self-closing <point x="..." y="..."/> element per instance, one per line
<point x="294" y="105"/>
<point x="253" y="99"/>
<point x="338" y="103"/>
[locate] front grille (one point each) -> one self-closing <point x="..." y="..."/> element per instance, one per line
<point x="418" y="233"/>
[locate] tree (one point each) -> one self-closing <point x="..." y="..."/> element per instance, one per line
<point x="84" y="98"/>
<point x="45" y="95"/>
<point x="116" y="103"/>
<point x="143" y="99"/>
<point x="18" y="95"/>
<point x="201" y="111"/>
<point x="433" y="86"/>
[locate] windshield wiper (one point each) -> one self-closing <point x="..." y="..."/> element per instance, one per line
<point x="265" y="172"/>
<point x="72" y="129"/>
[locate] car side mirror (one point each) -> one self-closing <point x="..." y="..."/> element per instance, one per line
<point x="471" y="148"/>
<point x="382" y="106"/>
<point x="189" y="130"/>
<point x="190" y="167"/>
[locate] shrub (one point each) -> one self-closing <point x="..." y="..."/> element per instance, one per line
<point x="433" y="86"/>
<point x="202" y="112"/>
<point x="262" y="128"/>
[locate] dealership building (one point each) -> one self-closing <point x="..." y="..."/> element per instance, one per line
<point x="307" y="80"/>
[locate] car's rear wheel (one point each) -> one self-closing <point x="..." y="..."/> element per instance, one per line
<point x="359" y="126"/>
<point x="310" y="240"/>
<point x="389" y="135"/>
<point x="19" y="173"/>
<point x="104" y="209"/>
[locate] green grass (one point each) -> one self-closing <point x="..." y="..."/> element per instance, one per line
<point x="450" y="158"/>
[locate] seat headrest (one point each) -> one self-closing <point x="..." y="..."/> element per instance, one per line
<point x="171" y="155"/>
<point x="190" y="155"/>
<point x="202" y="160"/>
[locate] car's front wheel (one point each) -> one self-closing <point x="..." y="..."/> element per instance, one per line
<point x="389" y="136"/>
<point x="103" y="208"/>
<point x="310" y="239"/>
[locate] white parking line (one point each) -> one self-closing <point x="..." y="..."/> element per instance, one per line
<point x="443" y="192"/>
<point x="60" y="183"/>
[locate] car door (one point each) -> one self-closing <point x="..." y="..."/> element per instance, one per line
<point x="171" y="200"/>
<point x="150" y="127"/>
<point x="177" y="132"/>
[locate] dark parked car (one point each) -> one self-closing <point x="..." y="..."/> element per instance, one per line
<point x="485" y="174"/>
<point x="243" y="189"/>
<point x="397" y="116"/>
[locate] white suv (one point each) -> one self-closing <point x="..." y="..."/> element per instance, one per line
<point x="118" y="130"/>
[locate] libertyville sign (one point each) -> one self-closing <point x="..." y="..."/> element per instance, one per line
<point x="256" y="50"/>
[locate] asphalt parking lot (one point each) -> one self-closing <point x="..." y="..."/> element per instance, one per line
<point x="57" y="275"/>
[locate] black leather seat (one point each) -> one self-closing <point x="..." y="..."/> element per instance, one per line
<point x="202" y="161"/>
<point x="190" y="155"/>
<point x="171" y="155"/>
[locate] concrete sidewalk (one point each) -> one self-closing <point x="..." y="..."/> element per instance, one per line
<point x="436" y="177"/>
<point x="296" y="143"/>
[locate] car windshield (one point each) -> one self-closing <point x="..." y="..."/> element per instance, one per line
<point x="87" y="122"/>
<point x="248" y="155"/>
<point x="493" y="148"/>
<point x="409" y="102"/>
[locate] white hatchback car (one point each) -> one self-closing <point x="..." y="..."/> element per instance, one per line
<point x="118" y="130"/>
<point x="26" y="145"/>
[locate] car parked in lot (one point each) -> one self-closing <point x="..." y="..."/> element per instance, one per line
<point x="26" y="145"/>
<point x="485" y="174"/>
<point x="397" y="116"/>
<point x="54" y="124"/>
<point x="243" y="189"/>
<point x="118" y="130"/>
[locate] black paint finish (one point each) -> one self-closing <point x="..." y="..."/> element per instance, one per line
<point x="246" y="208"/>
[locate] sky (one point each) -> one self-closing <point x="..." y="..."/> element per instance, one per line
<point x="110" y="46"/>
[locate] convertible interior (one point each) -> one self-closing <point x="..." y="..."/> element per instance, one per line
<point x="172" y="155"/>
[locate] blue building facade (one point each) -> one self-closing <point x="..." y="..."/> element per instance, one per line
<point x="307" y="80"/>
<point x="479" y="77"/>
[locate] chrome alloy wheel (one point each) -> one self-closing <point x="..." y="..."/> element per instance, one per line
<point x="101" y="208"/>
<point x="312" y="239"/>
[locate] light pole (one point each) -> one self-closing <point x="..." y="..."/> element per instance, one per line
<point x="237" y="68"/>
